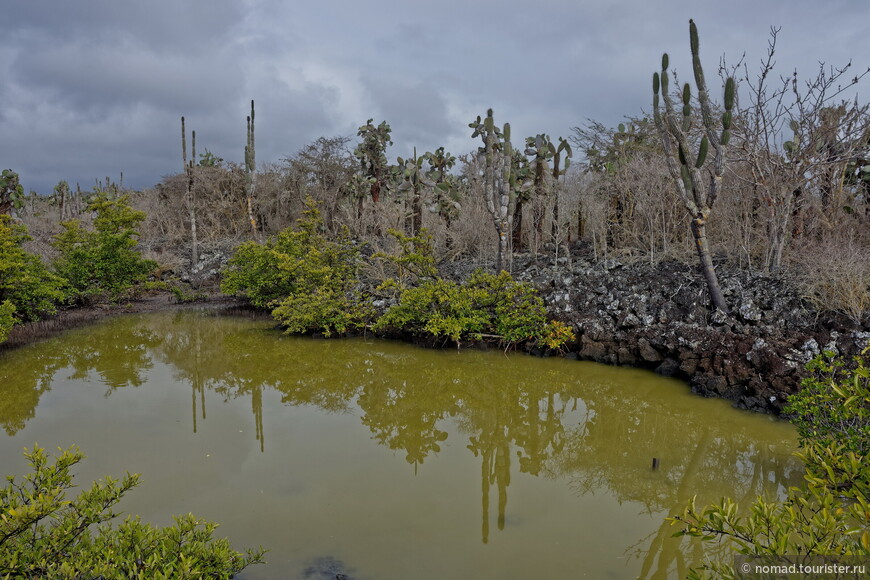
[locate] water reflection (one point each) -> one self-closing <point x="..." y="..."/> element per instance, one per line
<point x="594" y="427"/>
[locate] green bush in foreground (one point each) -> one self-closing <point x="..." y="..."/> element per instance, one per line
<point x="44" y="534"/>
<point x="306" y="279"/>
<point x="832" y="416"/>
<point x="831" y="515"/>
<point x="103" y="261"/>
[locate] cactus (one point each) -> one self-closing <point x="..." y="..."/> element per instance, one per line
<point x="250" y="171"/>
<point x="61" y="197"/>
<point x="371" y="154"/>
<point x="189" y="194"/>
<point x="563" y="148"/>
<point x="414" y="179"/>
<point x="697" y="196"/>
<point x="501" y="183"/>
<point x="11" y="192"/>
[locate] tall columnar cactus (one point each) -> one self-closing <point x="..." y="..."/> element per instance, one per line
<point x="250" y="171"/>
<point x="189" y="194"/>
<point x="500" y="183"/>
<point x="686" y="163"/>
<point x="61" y="197"/>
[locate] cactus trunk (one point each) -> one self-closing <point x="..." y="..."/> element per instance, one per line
<point x="250" y="171"/>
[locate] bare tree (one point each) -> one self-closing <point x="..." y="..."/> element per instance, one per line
<point x="793" y="139"/>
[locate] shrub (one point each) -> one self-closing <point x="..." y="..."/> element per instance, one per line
<point x="43" y="534"/>
<point x="486" y="306"/>
<point x="7" y="319"/>
<point x="831" y="515"/>
<point x="103" y="261"/>
<point x="832" y="416"/>
<point x="25" y="283"/>
<point x="439" y="308"/>
<point x="306" y="279"/>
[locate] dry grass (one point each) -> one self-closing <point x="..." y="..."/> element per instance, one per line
<point x="834" y="275"/>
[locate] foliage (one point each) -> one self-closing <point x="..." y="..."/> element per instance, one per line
<point x="440" y="308"/>
<point x="24" y="280"/>
<point x="184" y="297"/>
<point x="103" y="261"/>
<point x="44" y="534"/>
<point x="7" y="319"/>
<point x="831" y="515"/>
<point x="307" y="279"/>
<point x="832" y="415"/>
<point x="811" y="522"/>
<point x="485" y="306"/>
<point x="415" y="260"/>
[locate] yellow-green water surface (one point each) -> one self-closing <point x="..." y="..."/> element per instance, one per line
<point x="384" y="461"/>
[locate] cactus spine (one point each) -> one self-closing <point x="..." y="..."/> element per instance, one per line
<point x="250" y="171"/>
<point x="684" y="166"/>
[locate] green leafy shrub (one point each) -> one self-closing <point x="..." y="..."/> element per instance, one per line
<point x="810" y="522"/>
<point x="833" y="405"/>
<point x="832" y="416"/>
<point x="486" y="306"/>
<point x="831" y="515"/>
<point x="103" y="261"/>
<point x="439" y="308"/>
<point x="7" y="319"/>
<point x="181" y="295"/>
<point x="24" y="281"/>
<point x="306" y="279"/>
<point x="45" y="534"/>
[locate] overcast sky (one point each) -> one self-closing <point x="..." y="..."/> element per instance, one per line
<point x="93" y="88"/>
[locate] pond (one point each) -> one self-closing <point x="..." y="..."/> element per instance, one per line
<point x="380" y="460"/>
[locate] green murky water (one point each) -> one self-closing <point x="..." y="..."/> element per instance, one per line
<point x="381" y="460"/>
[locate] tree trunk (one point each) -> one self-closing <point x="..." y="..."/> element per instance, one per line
<point x="699" y="231"/>
<point x="518" y="225"/>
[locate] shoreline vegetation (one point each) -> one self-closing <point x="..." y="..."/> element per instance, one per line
<point x="724" y="244"/>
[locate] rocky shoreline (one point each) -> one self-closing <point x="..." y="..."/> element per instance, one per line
<point x="656" y="316"/>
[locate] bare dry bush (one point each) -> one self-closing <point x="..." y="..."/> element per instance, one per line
<point x="834" y="273"/>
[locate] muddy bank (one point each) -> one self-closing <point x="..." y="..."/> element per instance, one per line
<point x="656" y="316"/>
<point x="76" y="317"/>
